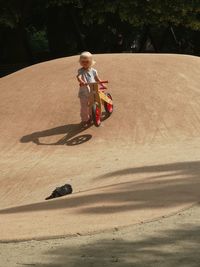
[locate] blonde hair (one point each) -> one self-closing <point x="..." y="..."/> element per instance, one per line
<point x="87" y="55"/>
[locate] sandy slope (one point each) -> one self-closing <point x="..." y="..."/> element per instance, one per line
<point x="141" y="164"/>
<point x="168" y="242"/>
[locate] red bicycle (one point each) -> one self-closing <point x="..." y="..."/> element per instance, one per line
<point x="99" y="99"/>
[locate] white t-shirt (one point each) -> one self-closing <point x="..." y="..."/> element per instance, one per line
<point x="89" y="77"/>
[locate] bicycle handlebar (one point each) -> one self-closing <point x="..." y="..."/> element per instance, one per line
<point x="103" y="82"/>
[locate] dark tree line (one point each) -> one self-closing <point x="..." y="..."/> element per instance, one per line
<point x="36" y="30"/>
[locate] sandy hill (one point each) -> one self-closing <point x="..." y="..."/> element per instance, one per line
<point x="141" y="163"/>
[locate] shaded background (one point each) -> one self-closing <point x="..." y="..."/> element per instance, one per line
<point x="32" y="31"/>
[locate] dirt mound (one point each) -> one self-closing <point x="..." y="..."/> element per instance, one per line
<point x="141" y="163"/>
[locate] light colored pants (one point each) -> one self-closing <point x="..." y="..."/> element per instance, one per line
<point x="85" y="110"/>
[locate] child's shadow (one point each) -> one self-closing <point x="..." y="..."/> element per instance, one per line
<point x="70" y="131"/>
<point x="70" y="139"/>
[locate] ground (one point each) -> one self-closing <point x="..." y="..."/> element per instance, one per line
<point x="141" y="166"/>
<point x="167" y="242"/>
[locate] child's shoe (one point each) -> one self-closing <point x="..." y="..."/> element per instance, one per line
<point x="86" y="123"/>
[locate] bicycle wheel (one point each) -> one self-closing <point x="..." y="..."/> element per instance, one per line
<point x="108" y="107"/>
<point x="96" y="114"/>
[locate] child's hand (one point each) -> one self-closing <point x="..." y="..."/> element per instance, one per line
<point x="82" y="83"/>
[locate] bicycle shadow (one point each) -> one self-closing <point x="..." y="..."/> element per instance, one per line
<point x="70" y="138"/>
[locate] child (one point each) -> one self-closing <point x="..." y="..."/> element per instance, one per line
<point x="86" y="74"/>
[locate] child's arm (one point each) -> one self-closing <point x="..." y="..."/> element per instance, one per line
<point x="80" y="80"/>
<point x="97" y="79"/>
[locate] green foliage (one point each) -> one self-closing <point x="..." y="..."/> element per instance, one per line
<point x="65" y="27"/>
<point x="60" y="3"/>
<point x="135" y="12"/>
<point x="9" y="14"/>
<point x="144" y="12"/>
<point x="38" y="40"/>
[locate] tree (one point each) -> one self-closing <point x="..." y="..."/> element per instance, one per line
<point x="66" y="27"/>
<point x="145" y="12"/>
<point x="13" y="30"/>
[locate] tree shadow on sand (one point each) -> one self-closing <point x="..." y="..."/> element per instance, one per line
<point x="169" y="185"/>
<point x="169" y="248"/>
